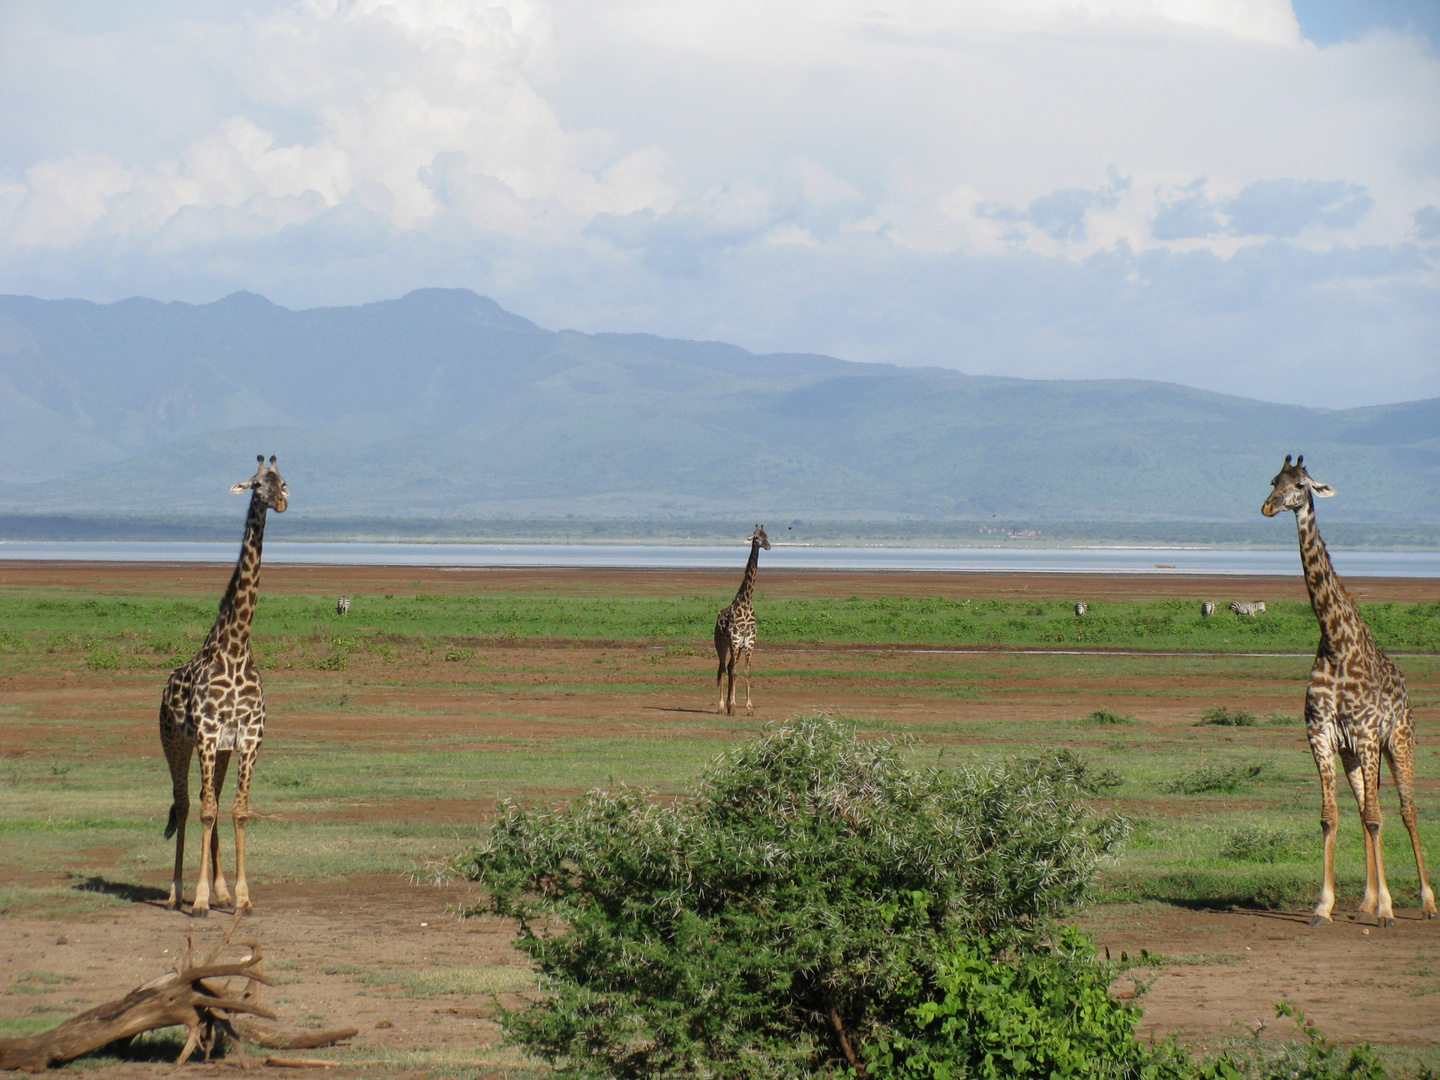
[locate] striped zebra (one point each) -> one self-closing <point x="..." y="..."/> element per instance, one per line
<point x="342" y="606"/>
<point x="1207" y="609"/>
<point x="1252" y="609"/>
<point x="1081" y="608"/>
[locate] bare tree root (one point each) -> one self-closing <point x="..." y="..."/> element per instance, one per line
<point x="187" y="995"/>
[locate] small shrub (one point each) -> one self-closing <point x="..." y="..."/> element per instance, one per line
<point x="1310" y="1056"/>
<point x="1258" y="843"/>
<point x="1106" y="716"/>
<point x="102" y="660"/>
<point x="1069" y="768"/>
<point x="455" y="655"/>
<point x="1276" y="719"/>
<point x="338" y="660"/>
<point x="1223" y="717"/>
<point x="1215" y="778"/>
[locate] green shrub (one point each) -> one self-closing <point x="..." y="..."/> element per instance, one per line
<point x="1106" y="716"/>
<point x="1223" y="717"/>
<point x="1215" y="778"/>
<point x="1044" y="1011"/>
<point x="1258" y="843"/>
<point x="1308" y="1057"/>
<point x="1069" y="768"/>
<point x="798" y="894"/>
<point x="1277" y="719"/>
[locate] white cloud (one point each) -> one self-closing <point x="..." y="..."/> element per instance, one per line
<point x="828" y="176"/>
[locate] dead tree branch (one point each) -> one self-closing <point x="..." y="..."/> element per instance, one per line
<point x="191" y="995"/>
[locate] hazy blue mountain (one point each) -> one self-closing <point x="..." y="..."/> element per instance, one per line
<point x="443" y="404"/>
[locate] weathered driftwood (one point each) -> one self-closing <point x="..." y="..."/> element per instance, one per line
<point x="290" y="1038"/>
<point x="184" y="996"/>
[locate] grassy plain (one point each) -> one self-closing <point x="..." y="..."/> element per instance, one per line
<point x="393" y="732"/>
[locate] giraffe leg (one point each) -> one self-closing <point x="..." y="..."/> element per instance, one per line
<point x="1375" y="907"/>
<point x="217" y="875"/>
<point x="749" y="708"/>
<point x="722" y="650"/>
<point x="1374" y="823"/>
<point x="1355" y="774"/>
<point x="240" y="815"/>
<point x="209" y="812"/>
<point x="1324" y="753"/>
<point x="1402" y="768"/>
<point x="730" y="660"/>
<point x="177" y="754"/>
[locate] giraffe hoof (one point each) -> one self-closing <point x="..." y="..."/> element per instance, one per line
<point x="1320" y="920"/>
<point x="1432" y="915"/>
<point x="1367" y="918"/>
<point x="1388" y="921"/>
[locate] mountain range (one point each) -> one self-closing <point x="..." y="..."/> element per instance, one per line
<point x="441" y="404"/>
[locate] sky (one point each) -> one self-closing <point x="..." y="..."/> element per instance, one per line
<point x="1238" y="195"/>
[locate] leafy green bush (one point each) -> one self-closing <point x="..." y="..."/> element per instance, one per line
<point x="1106" y="716"/>
<point x="1215" y="778"/>
<point x="1309" y="1057"/>
<point x="1223" y="717"/>
<point x="792" y="908"/>
<point x="1258" y="843"/>
<point x="1044" y="1011"/>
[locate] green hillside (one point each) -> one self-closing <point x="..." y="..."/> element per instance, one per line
<point x="443" y="405"/>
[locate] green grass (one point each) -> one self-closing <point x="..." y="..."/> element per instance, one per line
<point x="435" y="982"/>
<point x="142" y="631"/>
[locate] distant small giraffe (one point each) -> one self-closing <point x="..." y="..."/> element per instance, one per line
<point x="1356" y="706"/>
<point x="342" y="606"/>
<point x="214" y="702"/>
<point x="1081" y="608"/>
<point x="1242" y="607"/>
<point x="1207" y="608"/>
<point x="735" y="629"/>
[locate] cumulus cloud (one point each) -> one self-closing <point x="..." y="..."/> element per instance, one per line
<point x="907" y="180"/>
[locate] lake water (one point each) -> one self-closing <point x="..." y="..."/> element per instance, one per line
<point x="1093" y="560"/>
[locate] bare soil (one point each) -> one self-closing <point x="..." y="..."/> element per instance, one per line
<point x="1378" y="986"/>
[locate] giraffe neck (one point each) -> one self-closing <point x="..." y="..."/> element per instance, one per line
<point x="237" y="609"/>
<point x="1334" y="609"/>
<point x="747" y="585"/>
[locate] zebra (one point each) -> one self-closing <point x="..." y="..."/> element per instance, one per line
<point x="1207" y="609"/>
<point x="342" y="606"/>
<point x="1247" y="608"/>
<point x="1081" y="608"/>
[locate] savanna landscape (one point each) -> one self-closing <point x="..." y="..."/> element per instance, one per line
<point x="396" y="731"/>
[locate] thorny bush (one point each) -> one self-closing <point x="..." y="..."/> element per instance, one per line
<point x="783" y="918"/>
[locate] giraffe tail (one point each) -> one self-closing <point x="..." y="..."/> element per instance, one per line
<point x="173" y="823"/>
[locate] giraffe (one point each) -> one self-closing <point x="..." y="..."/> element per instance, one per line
<point x="1356" y="705"/>
<point x="735" y="630"/>
<point x="214" y="703"/>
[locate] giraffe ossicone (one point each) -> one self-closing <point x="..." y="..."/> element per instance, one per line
<point x="1356" y="707"/>
<point x="735" y="630"/>
<point x="214" y="704"/>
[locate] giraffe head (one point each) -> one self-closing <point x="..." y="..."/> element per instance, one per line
<point x="267" y="483"/>
<point x="1293" y="488"/>
<point x="759" y="536"/>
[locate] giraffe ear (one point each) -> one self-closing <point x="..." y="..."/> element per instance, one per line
<point x="242" y="487"/>
<point x="1321" y="491"/>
